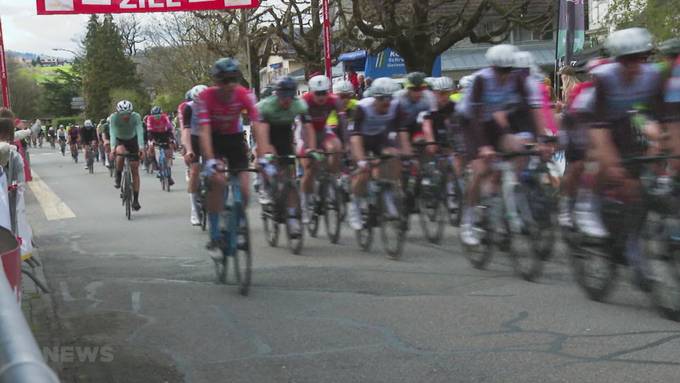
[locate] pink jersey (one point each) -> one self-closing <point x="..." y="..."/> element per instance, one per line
<point x="160" y="124"/>
<point x="320" y="112"/>
<point x="548" y="113"/>
<point x="180" y="114"/>
<point x="224" y="115"/>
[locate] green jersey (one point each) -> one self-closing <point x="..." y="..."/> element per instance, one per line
<point x="271" y="112"/>
<point x="126" y="130"/>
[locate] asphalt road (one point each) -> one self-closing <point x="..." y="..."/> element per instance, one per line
<point x="145" y="290"/>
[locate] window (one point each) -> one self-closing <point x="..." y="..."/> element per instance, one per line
<point x="520" y="34"/>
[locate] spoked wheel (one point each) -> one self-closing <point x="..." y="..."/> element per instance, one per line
<point x="204" y="218"/>
<point x="480" y="255"/>
<point x="393" y="222"/>
<point x="315" y="211"/>
<point x="532" y="245"/>
<point x="431" y="211"/>
<point x="128" y="196"/>
<point x="663" y="256"/>
<point x="454" y="199"/>
<point x="594" y="266"/>
<point x="295" y="235"/>
<point x="332" y="215"/>
<point x="270" y="224"/>
<point x="242" y="259"/>
<point x="365" y="235"/>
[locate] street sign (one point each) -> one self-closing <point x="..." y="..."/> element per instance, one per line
<point x="68" y="7"/>
<point x="78" y="103"/>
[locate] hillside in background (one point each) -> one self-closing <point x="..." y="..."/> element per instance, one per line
<point x="40" y="74"/>
<point x="22" y="55"/>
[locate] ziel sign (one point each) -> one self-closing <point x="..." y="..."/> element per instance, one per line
<point x="66" y="7"/>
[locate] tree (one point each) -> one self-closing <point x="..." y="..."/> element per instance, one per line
<point x="421" y="30"/>
<point x="132" y="33"/>
<point x="58" y="92"/>
<point x="661" y="17"/>
<point x="24" y="91"/>
<point x="105" y="67"/>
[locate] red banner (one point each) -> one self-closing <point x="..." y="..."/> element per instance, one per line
<point x="67" y="7"/>
<point x="4" y="83"/>
<point x="327" y="39"/>
<point x="10" y="259"/>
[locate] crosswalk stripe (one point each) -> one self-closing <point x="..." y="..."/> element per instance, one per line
<point x="54" y="208"/>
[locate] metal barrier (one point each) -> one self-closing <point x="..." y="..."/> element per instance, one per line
<point x="20" y="358"/>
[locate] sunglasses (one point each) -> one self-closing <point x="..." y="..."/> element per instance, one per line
<point x="321" y="93"/>
<point x="383" y="98"/>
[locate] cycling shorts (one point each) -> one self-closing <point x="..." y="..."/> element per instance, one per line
<point x="89" y="136"/>
<point x="490" y="136"/>
<point x="131" y="146"/>
<point x="161" y="138"/>
<point x="322" y="137"/>
<point x="232" y="148"/>
<point x="375" y="145"/>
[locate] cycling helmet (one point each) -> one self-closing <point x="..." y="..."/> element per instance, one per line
<point x="501" y="56"/>
<point x="89" y="124"/>
<point x="524" y="60"/>
<point x="629" y="42"/>
<point x="266" y="92"/>
<point x="670" y="47"/>
<point x="319" y="83"/>
<point x="195" y="91"/>
<point x="415" y="80"/>
<point x="124" y="106"/>
<point x="225" y="68"/>
<point x="383" y="86"/>
<point x="61" y="126"/>
<point x="156" y="110"/>
<point x="187" y="95"/>
<point x="429" y="81"/>
<point x="286" y="87"/>
<point x="343" y="87"/>
<point x="465" y="82"/>
<point x="442" y="84"/>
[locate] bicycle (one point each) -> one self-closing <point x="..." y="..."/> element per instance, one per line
<point x="74" y="152"/>
<point x="384" y="208"/>
<point x="62" y="146"/>
<point x="327" y="202"/>
<point x="655" y="219"/>
<point x="235" y="239"/>
<point x="164" y="170"/>
<point x="283" y="189"/>
<point x="90" y="159"/>
<point x="126" y="184"/>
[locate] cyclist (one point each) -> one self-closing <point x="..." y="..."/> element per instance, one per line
<point x="218" y="109"/>
<point x="73" y="136"/>
<point x="274" y="134"/>
<point x="103" y="131"/>
<point x="191" y="144"/>
<point x="320" y="104"/>
<point x="415" y="102"/>
<point x="496" y="92"/>
<point x="160" y="131"/>
<point x="339" y="121"/>
<point x="127" y="137"/>
<point x="629" y="83"/>
<point x="376" y="126"/>
<point x="61" y="134"/>
<point x="88" y="138"/>
<point x="51" y="136"/>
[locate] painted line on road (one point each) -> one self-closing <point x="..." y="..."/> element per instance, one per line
<point x="65" y="294"/>
<point x="136" y="302"/>
<point x="54" y="208"/>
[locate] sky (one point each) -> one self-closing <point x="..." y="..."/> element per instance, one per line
<point x="24" y="31"/>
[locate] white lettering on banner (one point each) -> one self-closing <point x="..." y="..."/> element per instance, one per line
<point x="151" y="4"/>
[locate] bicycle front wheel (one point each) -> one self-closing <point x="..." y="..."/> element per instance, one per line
<point x="392" y="222"/>
<point x="294" y="230"/>
<point x="128" y="195"/>
<point x="243" y="261"/>
<point x="663" y="255"/>
<point x="431" y="210"/>
<point x="332" y="211"/>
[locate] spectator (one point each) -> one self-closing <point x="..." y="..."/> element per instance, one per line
<point x="353" y="78"/>
<point x="362" y="86"/>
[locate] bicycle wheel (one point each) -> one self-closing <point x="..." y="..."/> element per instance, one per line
<point x="431" y="209"/>
<point x="663" y="255"/>
<point x="365" y="235"/>
<point x="315" y="210"/>
<point x="392" y="221"/>
<point x="332" y="215"/>
<point x="526" y="245"/>
<point x="243" y="261"/>
<point x="270" y="224"/>
<point x="454" y="198"/>
<point x="295" y="237"/>
<point x="480" y="255"/>
<point x="594" y="266"/>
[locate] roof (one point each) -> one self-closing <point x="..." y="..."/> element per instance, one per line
<point x="460" y="59"/>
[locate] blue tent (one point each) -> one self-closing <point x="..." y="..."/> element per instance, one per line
<point x="384" y="64"/>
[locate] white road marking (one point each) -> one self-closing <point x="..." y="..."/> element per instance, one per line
<point x="136" y="301"/>
<point x="65" y="294"/>
<point x="54" y="208"/>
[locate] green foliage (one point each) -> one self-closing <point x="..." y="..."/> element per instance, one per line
<point x="59" y="91"/>
<point x="24" y="92"/>
<point x="168" y="102"/>
<point x="661" y="17"/>
<point x="105" y="67"/>
<point x="139" y="100"/>
<point x="66" y="121"/>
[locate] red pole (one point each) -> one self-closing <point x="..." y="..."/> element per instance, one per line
<point x="3" y="73"/>
<point x="327" y="39"/>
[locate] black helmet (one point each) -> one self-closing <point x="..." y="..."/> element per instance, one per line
<point x="225" y="68"/>
<point x="156" y="110"/>
<point x="286" y="87"/>
<point x="266" y="92"/>
<point x="415" y="80"/>
<point x="670" y="47"/>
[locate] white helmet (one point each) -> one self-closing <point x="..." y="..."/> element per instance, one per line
<point x="442" y="84"/>
<point x="429" y="81"/>
<point x="195" y="91"/>
<point x="466" y="81"/>
<point x="501" y="56"/>
<point x="124" y="106"/>
<point x="88" y="124"/>
<point x="343" y="87"/>
<point x="319" y="83"/>
<point x="629" y="42"/>
<point x="383" y="86"/>
<point x="524" y="60"/>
